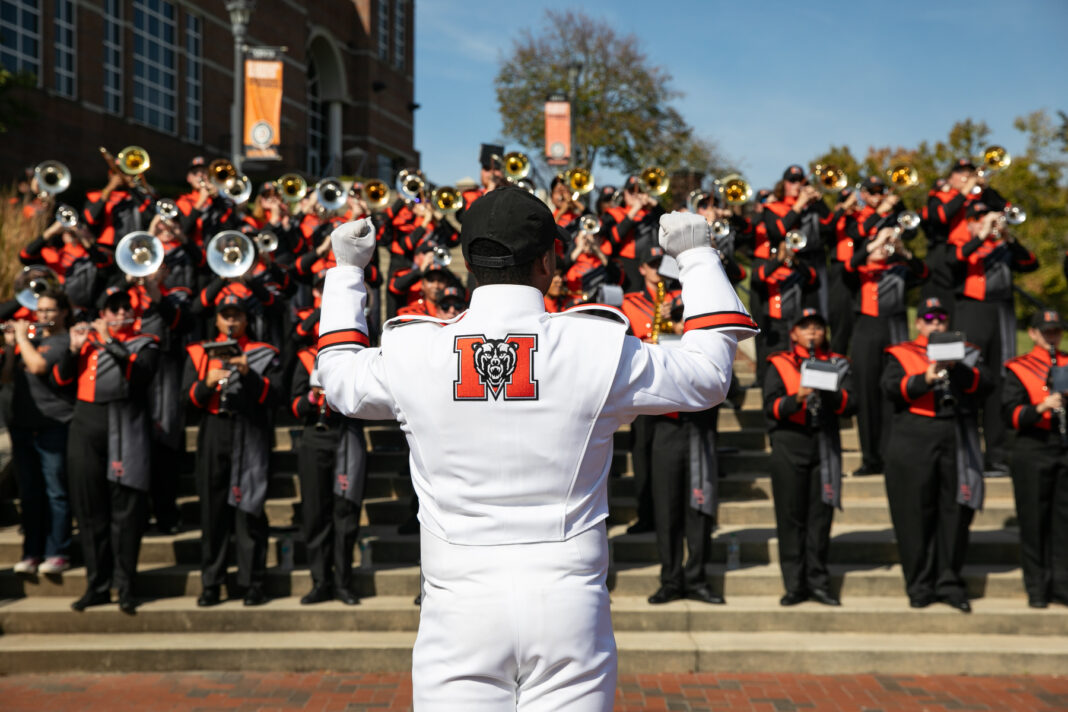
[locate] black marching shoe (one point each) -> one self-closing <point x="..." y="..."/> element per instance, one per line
<point x="319" y="593"/>
<point x="1037" y="602"/>
<point x="792" y="598"/>
<point x="958" y="602"/>
<point x="704" y="594"/>
<point x="91" y="598"/>
<point x="641" y="527"/>
<point x="822" y="595"/>
<point x="665" y="594"/>
<point x="255" y="596"/>
<point x="866" y="470"/>
<point x="347" y="597"/>
<point x="997" y="469"/>
<point x="920" y="601"/>
<point x="127" y="604"/>
<point x="209" y="597"/>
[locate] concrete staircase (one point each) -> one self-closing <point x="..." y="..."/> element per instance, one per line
<point x="874" y="630"/>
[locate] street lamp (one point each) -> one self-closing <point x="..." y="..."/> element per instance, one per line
<point x="573" y="71"/>
<point x="240" y="14"/>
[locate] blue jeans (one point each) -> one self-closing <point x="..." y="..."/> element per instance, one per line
<point x="40" y="466"/>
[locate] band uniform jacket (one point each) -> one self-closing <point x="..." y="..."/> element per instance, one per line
<point x="1026" y="385"/>
<point x="509" y="411"/>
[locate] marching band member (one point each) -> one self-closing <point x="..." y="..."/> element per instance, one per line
<point x="630" y="227"/>
<point x="840" y="318"/>
<point x="782" y="282"/>
<point x="71" y="253"/>
<point x="108" y="445"/>
<point x="934" y="478"/>
<point x="806" y="459"/>
<point x="424" y="284"/>
<point x="118" y="208"/>
<point x="236" y="384"/>
<point x="1035" y="408"/>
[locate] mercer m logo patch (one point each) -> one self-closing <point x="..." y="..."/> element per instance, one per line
<point x="495" y="367"/>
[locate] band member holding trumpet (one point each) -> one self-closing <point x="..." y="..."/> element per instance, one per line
<point x="69" y="250"/>
<point x="121" y="206"/>
<point x="41" y="418"/>
<point x="420" y="288"/>
<point x="110" y="367"/>
<point x="983" y="268"/>
<point x="1033" y="403"/>
<point x="934" y="478"/>
<point x="566" y="207"/>
<point x="331" y="462"/>
<point x="806" y="456"/>
<point x="234" y="380"/>
<point x="630" y="228"/>
<point x="782" y="282"/>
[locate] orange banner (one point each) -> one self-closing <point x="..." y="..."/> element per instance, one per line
<point x="263" y="108"/>
<point x="557" y="132"/>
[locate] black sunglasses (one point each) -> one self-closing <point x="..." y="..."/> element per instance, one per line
<point x="935" y="317"/>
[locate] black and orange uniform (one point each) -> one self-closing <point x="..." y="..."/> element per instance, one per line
<point x="840" y="315"/>
<point x="783" y="289"/>
<point x="79" y="269"/>
<point x="112" y="216"/>
<point x="1039" y="475"/>
<point x="332" y="464"/>
<point x="185" y="262"/>
<point x="217" y="214"/>
<point x="628" y="235"/>
<point x="805" y="484"/>
<point x="311" y="267"/>
<point x="933" y="466"/>
<point x="986" y="314"/>
<point x="108" y="449"/>
<point x="817" y="222"/>
<point x="946" y="225"/>
<point x="233" y="458"/>
<point x="420" y="307"/>
<point x="880" y="320"/>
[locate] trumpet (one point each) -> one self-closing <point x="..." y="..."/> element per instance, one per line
<point x="32" y="282"/>
<point x="579" y="181"/>
<point x="376" y="194"/>
<point x="220" y="171"/>
<point x="526" y="184"/>
<point x="735" y="190"/>
<point x="589" y="224"/>
<point x="442" y="256"/>
<point x="830" y="177"/>
<point x="908" y="220"/>
<point x="447" y="199"/>
<point x="995" y="158"/>
<point x="1014" y="215"/>
<point x="292" y="187"/>
<point x="265" y="242"/>
<point x="52" y="177"/>
<point x="67" y="216"/>
<point x="410" y="185"/>
<point x="515" y="165"/>
<point x="721" y="229"/>
<point x="694" y="198"/>
<point x="903" y="175"/>
<point x="330" y="194"/>
<point x="653" y="181"/>
<point x="795" y="241"/>
<point x="230" y="254"/>
<point x="167" y="209"/>
<point x="133" y="160"/>
<point x="139" y="254"/>
<point x="238" y="189"/>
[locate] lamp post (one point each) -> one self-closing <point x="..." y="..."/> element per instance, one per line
<point x="240" y="14"/>
<point x="573" y="71"/>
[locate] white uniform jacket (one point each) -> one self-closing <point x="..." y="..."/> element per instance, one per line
<point x="510" y="411"/>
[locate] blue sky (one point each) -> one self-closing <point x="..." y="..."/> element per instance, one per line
<point x="772" y="83"/>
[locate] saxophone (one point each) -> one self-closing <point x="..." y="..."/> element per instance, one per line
<point x="658" y="321"/>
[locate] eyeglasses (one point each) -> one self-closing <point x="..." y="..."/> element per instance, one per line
<point x="935" y="318"/>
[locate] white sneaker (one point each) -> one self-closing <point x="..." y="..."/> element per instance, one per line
<point x="54" y="565"/>
<point x="27" y="566"/>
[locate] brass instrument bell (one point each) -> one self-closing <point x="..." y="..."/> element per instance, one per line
<point x="133" y="160"/>
<point x="447" y="199"/>
<point x="903" y="175"/>
<point x="139" y="254"/>
<point x="32" y="282"/>
<point x="515" y="165"/>
<point x="167" y="209"/>
<point x="330" y="194"/>
<point x="736" y="190"/>
<point x="589" y="224"/>
<point x="653" y="180"/>
<point x="292" y="187"/>
<point x="52" y="177"/>
<point x="230" y="254"/>
<point x="376" y="194"/>
<point x="695" y="197"/>
<point x="67" y="216"/>
<point x="831" y="177"/>
<point x="220" y="171"/>
<point x="579" y="181"/>
<point x="265" y="242"/>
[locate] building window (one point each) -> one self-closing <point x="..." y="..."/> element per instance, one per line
<point x="113" y="56"/>
<point x="383" y="30"/>
<point x="193" y="68"/>
<point x="64" y="49"/>
<point x="316" y="124"/>
<point x="20" y="36"/>
<point x="384" y="169"/>
<point x="400" y="27"/>
<point x="155" y="65"/>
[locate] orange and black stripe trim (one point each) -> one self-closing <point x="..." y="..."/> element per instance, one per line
<point x="720" y="320"/>
<point x="343" y="337"/>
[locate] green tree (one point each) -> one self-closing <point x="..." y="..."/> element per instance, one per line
<point x="621" y="110"/>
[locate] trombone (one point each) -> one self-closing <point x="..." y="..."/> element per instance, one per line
<point x="133" y="162"/>
<point x="579" y="181"/>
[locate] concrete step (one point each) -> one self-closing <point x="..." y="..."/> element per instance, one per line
<point x="45" y="616"/>
<point x="639" y="652"/>
<point x="625" y="579"/>
<point x="996" y="514"/>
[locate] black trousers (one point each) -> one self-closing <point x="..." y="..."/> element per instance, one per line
<point x="676" y="521"/>
<point x="980" y="324"/>
<point x="215" y="446"/>
<point x="802" y="519"/>
<point x="331" y="524"/>
<point x="842" y="316"/>
<point x="921" y="486"/>
<point x="1040" y="483"/>
<point x="164" y="488"/>
<point x="871" y="335"/>
<point x="110" y="516"/>
<point x="641" y="457"/>
<point x="759" y="313"/>
<point x="941" y="282"/>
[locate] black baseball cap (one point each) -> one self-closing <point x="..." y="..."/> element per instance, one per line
<point x="793" y="174"/>
<point x="114" y="297"/>
<point x="452" y="294"/>
<point x="873" y="184"/>
<point x="962" y="164"/>
<point x="932" y="304"/>
<point x="231" y="301"/>
<point x="976" y="209"/>
<point x="1047" y="319"/>
<point x="651" y="253"/>
<point x="513" y="219"/>
<point x="197" y="162"/>
<point x="808" y="314"/>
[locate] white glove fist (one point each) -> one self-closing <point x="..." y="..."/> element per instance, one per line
<point x="683" y="231"/>
<point x="354" y="243"/>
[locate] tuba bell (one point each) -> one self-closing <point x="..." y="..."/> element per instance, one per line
<point x="653" y="181"/>
<point x="230" y="254"/>
<point x="52" y="177"/>
<point x="447" y="199"/>
<point x="139" y="254"/>
<point x="292" y="187"/>
<point x="830" y="177"/>
<point x="330" y="194"/>
<point x="903" y="176"/>
<point x="32" y="282"/>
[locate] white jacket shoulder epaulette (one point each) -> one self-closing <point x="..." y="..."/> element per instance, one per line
<point x="411" y="319"/>
<point x="602" y="311"/>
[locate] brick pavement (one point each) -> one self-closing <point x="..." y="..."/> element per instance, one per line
<point x="330" y="692"/>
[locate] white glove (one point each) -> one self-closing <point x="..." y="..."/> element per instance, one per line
<point x="353" y="243"/>
<point x="683" y="231"/>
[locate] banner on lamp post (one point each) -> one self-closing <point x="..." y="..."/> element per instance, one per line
<point x="263" y="103"/>
<point x="557" y="131"/>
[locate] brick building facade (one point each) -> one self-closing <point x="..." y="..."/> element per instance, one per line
<point x="159" y="74"/>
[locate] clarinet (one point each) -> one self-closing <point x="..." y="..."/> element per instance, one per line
<point x="814" y="400"/>
<point x="1058" y="413"/>
<point x="320" y="424"/>
<point x="224" y="397"/>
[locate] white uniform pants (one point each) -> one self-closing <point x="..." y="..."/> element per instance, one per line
<point x="515" y="627"/>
